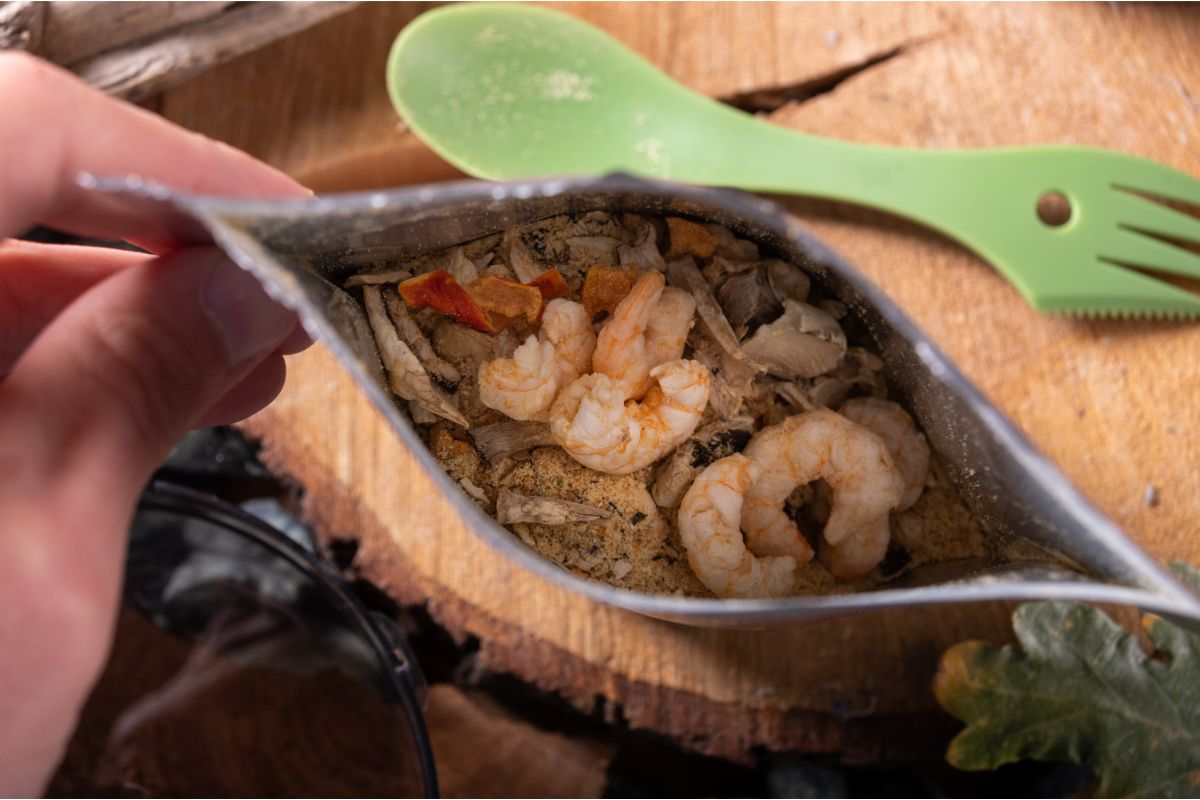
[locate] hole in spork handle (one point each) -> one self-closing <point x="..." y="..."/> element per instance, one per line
<point x="1054" y="209"/>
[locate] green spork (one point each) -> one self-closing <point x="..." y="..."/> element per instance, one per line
<point x="507" y="91"/>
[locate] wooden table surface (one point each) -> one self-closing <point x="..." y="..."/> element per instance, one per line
<point x="1113" y="403"/>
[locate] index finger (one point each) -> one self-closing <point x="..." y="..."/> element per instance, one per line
<point x="55" y="126"/>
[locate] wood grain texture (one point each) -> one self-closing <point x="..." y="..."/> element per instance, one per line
<point x="74" y="31"/>
<point x="134" y="49"/>
<point x="483" y="751"/>
<point x="21" y="24"/>
<point x="1111" y="402"/>
<point x="144" y="67"/>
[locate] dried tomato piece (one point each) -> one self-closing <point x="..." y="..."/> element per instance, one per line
<point x="688" y="238"/>
<point x="487" y="304"/>
<point x="507" y="299"/>
<point x="604" y="288"/>
<point x="551" y="284"/>
<point x="439" y="291"/>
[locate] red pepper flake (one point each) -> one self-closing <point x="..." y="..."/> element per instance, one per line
<point x="439" y="291"/>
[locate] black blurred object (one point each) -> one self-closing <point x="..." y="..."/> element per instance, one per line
<point x="221" y="462"/>
<point x="244" y="667"/>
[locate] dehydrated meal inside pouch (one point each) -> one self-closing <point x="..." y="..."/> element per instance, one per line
<point x="657" y="404"/>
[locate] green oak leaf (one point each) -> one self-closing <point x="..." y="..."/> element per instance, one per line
<point x="1081" y="689"/>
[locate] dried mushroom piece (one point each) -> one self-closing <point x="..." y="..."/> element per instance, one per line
<point x="720" y="438"/>
<point x="464" y="347"/>
<point x="731" y="377"/>
<point x="484" y="262"/>
<point x="502" y="439"/>
<point x="709" y="443"/>
<point x="829" y="392"/>
<point x="863" y="369"/>
<point x="513" y="508"/>
<point x="591" y="250"/>
<point x="474" y="492"/>
<point x="865" y="359"/>
<point x="803" y="343"/>
<point x="524" y="262"/>
<point x="591" y="223"/>
<point x="445" y="373"/>
<point x="673" y="478"/>
<point x="684" y="274"/>
<point x="730" y="246"/>
<point x="859" y="372"/>
<point x="787" y="281"/>
<point x="644" y="252"/>
<point x="825" y="391"/>
<point x="714" y="343"/>
<point x="748" y="300"/>
<point x="461" y="268"/>
<point x="421" y="415"/>
<point x="834" y="308"/>
<point x="406" y="377"/>
<point x="499" y="270"/>
<point x="687" y="238"/>
<point x="504" y="344"/>
<point x="720" y="268"/>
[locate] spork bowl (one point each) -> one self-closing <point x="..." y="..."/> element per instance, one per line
<point x="1063" y="547"/>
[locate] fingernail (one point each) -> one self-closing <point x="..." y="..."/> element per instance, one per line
<point x="251" y="323"/>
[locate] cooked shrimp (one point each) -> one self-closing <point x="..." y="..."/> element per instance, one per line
<point x="599" y="428"/>
<point x="566" y="326"/>
<point x="859" y="554"/>
<point x="649" y="327"/>
<point x="525" y="385"/>
<point x="905" y="443"/>
<point x="708" y="525"/>
<point x="667" y="332"/>
<point x="852" y="460"/>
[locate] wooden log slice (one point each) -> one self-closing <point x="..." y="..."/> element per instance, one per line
<point x="1112" y="402"/>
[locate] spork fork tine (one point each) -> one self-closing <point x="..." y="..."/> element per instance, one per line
<point x="1117" y="210"/>
<point x="1150" y="177"/>
<point x="1141" y="214"/>
<point x="1118" y="225"/>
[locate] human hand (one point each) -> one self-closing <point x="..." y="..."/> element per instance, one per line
<point x="106" y="358"/>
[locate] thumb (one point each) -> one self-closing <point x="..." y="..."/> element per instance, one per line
<point x="123" y="372"/>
